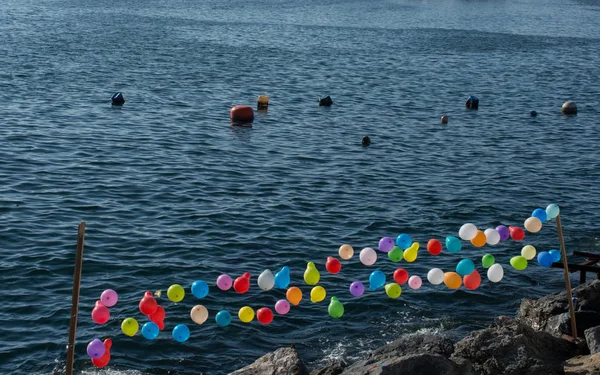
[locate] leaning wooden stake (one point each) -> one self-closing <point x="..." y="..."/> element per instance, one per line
<point x="75" y="299"/>
<point x="563" y="252"/>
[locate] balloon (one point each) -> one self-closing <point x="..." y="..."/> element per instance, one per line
<point x="453" y="244"/>
<point x="376" y="280"/>
<point x="386" y="244"/>
<point x="311" y="274"/>
<point x="103" y="361"/>
<point x="148" y="304"/>
<point x="495" y="273"/>
<point x="100" y="313"/>
<point x="357" y="289"/>
<point x="528" y="252"/>
<point x="518" y="262"/>
<point x="282" y="278"/>
<point x="368" y="256"/>
<point x="223" y="318"/>
<point x="175" y="293"/>
<point x="199" y="289"/>
<point x="465" y="267"/>
<point x="492" y="236"/>
<point x="246" y="314"/>
<point x="415" y="282"/>
<point x="400" y="276"/>
<point x="479" y="240"/>
<point x="467" y="232"/>
<point x="317" y="294"/>
<point x="294" y="295"/>
<point x="540" y="214"/>
<point x="487" y="260"/>
<point x="516" y="233"/>
<point x="434" y="247"/>
<point x="472" y="281"/>
<point x="346" y="252"/>
<point x="396" y="254"/>
<point x="282" y="307"/>
<point x="266" y="280"/>
<point x="264" y="315"/>
<point x="393" y="290"/>
<point x="109" y="298"/>
<point x="158" y="315"/>
<point x="504" y="232"/>
<point x="403" y="241"/>
<point x="410" y="254"/>
<point x="129" y="327"/>
<point x="161" y="325"/>
<point x="150" y="330"/>
<point x="555" y="255"/>
<point x="181" y="333"/>
<point x="242" y="283"/>
<point x="435" y="276"/>
<point x="224" y="282"/>
<point x="199" y="314"/>
<point x="333" y="265"/>
<point x="95" y="348"/>
<point x="452" y="280"/>
<point x="552" y="211"/>
<point x="335" y="309"/>
<point x="533" y="224"/>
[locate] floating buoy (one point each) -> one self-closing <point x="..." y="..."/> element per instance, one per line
<point x="569" y="108"/>
<point x="533" y="113"/>
<point x="366" y="141"/>
<point x="472" y="102"/>
<point x="326" y="101"/>
<point x="444" y="119"/>
<point x="263" y="102"/>
<point x="242" y="113"/>
<point x="117" y="99"/>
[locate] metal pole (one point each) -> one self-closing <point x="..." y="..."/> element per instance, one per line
<point x="563" y="252"/>
<point x="75" y="299"/>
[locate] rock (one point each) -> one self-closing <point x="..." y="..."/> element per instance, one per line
<point x="592" y="336"/>
<point x="326" y="101"/>
<point x="334" y="367"/>
<point x="282" y="361"/>
<point x="583" y="365"/>
<point x="561" y="324"/>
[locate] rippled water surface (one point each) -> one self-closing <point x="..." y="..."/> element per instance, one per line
<point x="171" y="193"/>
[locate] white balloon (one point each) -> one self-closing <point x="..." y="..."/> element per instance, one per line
<point x="467" y="232"/>
<point x="435" y="276"/>
<point x="199" y="314"/>
<point x="266" y="281"/>
<point x="495" y="273"/>
<point x="533" y="224"/>
<point x="492" y="236"/>
<point x="368" y="256"/>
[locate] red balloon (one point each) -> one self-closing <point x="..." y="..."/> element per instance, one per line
<point x="158" y="315"/>
<point x="333" y="265"/>
<point x="400" y="276"/>
<point x="103" y="361"/>
<point x="160" y="324"/>
<point x="472" y="280"/>
<point x="434" y="246"/>
<point x="264" y="315"/>
<point x="242" y="283"/>
<point x="148" y="304"/>
<point x="516" y="233"/>
<point x="100" y="313"/>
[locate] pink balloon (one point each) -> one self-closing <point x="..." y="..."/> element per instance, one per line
<point x="100" y="313"/>
<point x="415" y="282"/>
<point x="282" y="307"/>
<point x="109" y="298"/>
<point x="224" y="282"/>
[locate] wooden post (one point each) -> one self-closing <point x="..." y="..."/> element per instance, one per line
<point x="563" y="252"/>
<point x="75" y="299"/>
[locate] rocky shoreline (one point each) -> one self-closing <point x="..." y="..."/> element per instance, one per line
<point x="537" y="341"/>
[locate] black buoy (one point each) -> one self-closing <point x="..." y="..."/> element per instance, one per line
<point x="472" y="102"/>
<point x="117" y="99"/>
<point x="533" y="113"/>
<point x="326" y="101"/>
<point x="366" y="141"/>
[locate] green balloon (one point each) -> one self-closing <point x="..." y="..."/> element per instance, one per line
<point x="488" y="260"/>
<point x="396" y="254"/>
<point x="335" y="309"/>
<point x="393" y="290"/>
<point x="519" y="262"/>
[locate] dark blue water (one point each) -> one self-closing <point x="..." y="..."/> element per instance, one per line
<point x="171" y="193"/>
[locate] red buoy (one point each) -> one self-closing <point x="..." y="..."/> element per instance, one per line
<point x="242" y="113"/>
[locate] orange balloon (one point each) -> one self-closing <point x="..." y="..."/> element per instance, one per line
<point x="452" y="280"/>
<point x="472" y="281"/>
<point x="294" y="295"/>
<point x="479" y="240"/>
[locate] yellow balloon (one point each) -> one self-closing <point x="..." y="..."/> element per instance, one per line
<point x="317" y="294"/>
<point x="246" y="314"/>
<point x="199" y="314"/>
<point x="311" y="275"/>
<point x="294" y="295"/>
<point x="452" y="280"/>
<point x="533" y="224"/>
<point x="528" y="252"/>
<point x="393" y="290"/>
<point x="410" y="254"/>
<point x="175" y="293"/>
<point x="479" y="240"/>
<point x="346" y="252"/>
<point x="129" y="327"/>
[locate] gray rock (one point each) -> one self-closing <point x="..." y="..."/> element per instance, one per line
<point x="583" y="365"/>
<point x="283" y="361"/>
<point x="334" y="367"/>
<point x="592" y="336"/>
<point x="413" y="364"/>
<point x="561" y="324"/>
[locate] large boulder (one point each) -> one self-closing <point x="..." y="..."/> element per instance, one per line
<point x="282" y="361"/>
<point x="592" y="336"/>
<point x="333" y="367"/>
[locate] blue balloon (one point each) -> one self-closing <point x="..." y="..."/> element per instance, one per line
<point x="552" y="211"/>
<point x="465" y="267"/>
<point x="282" y="278"/>
<point x="181" y="333"/>
<point x="403" y="241"/>
<point x="199" y="289"/>
<point x="150" y="330"/>
<point x="540" y="214"/>
<point x="223" y="318"/>
<point x="376" y="280"/>
<point x="545" y="259"/>
<point x="453" y="244"/>
<point x="555" y="255"/>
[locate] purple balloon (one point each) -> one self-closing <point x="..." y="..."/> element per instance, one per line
<point x="357" y="289"/>
<point x="224" y="282"/>
<point x="504" y="232"/>
<point x="95" y="348"/>
<point x="109" y="298"/>
<point x="386" y="244"/>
